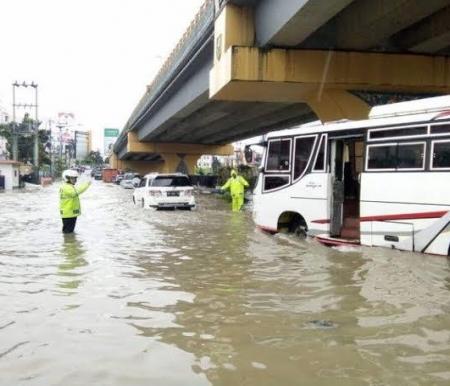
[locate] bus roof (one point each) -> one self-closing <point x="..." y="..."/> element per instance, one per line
<point x="411" y="112"/>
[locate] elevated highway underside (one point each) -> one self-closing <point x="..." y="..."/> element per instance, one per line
<point x="247" y="67"/>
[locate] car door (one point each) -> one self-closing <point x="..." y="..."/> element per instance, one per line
<point x="140" y="190"/>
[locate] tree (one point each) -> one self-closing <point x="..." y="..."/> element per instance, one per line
<point x="94" y="158"/>
<point x="5" y="132"/>
<point x="25" y="141"/>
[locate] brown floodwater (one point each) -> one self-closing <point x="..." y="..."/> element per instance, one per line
<point x="139" y="297"/>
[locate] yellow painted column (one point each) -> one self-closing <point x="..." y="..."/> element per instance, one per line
<point x="113" y="161"/>
<point x="178" y="162"/>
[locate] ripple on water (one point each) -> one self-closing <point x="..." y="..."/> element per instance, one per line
<point x="202" y="298"/>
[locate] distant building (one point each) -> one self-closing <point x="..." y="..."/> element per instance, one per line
<point x="9" y="174"/>
<point x="4" y="116"/>
<point x="82" y="144"/>
<point x="205" y="162"/>
<point x="4" y="155"/>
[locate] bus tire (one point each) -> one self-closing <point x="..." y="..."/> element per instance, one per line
<point x="300" y="231"/>
<point x="298" y="228"/>
<point x="134" y="201"/>
<point x="143" y="203"/>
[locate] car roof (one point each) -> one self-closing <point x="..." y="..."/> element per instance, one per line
<point x="153" y="175"/>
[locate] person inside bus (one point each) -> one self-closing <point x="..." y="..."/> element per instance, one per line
<point x="237" y="185"/>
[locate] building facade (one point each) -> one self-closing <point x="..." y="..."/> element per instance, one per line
<point x="9" y="174"/>
<point x="82" y="144"/>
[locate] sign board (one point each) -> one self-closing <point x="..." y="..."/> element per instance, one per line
<point x="109" y="138"/>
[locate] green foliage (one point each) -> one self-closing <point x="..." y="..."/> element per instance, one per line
<point x="25" y="143"/>
<point x="5" y="132"/>
<point x="200" y="171"/>
<point x="59" y="166"/>
<point x="94" y="158"/>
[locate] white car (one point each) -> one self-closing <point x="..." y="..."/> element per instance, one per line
<point x="165" y="191"/>
<point x="130" y="181"/>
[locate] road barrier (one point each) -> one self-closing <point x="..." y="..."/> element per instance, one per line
<point x="46" y="181"/>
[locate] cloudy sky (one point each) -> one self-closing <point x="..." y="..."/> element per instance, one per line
<point x="92" y="58"/>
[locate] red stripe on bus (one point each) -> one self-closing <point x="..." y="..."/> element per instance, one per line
<point x="404" y="216"/>
<point x="387" y="217"/>
<point x="321" y="221"/>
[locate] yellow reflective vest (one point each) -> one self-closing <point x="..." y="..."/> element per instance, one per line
<point x="69" y="202"/>
<point x="236" y="185"/>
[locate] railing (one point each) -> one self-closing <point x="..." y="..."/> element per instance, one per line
<point x="202" y="21"/>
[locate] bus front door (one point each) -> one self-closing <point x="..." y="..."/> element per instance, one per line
<point x="337" y="181"/>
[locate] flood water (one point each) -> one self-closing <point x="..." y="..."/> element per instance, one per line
<point x="139" y="297"/>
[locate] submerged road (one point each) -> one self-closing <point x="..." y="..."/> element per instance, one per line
<point x="139" y="297"/>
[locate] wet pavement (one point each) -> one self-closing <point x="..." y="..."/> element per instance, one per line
<point x="139" y="297"/>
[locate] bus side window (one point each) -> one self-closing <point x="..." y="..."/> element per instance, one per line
<point x="319" y="165"/>
<point x="303" y="149"/>
<point x="274" y="182"/>
<point x="441" y="155"/>
<point x="279" y="154"/>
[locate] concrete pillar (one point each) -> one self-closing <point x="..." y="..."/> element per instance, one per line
<point x="180" y="163"/>
<point x="176" y="157"/>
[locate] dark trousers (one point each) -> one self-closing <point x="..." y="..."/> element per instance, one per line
<point x="69" y="224"/>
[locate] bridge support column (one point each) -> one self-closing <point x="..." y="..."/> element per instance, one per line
<point x="165" y="157"/>
<point x="179" y="163"/>
<point x="324" y="80"/>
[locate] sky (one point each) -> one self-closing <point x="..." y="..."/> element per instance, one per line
<point x="92" y="58"/>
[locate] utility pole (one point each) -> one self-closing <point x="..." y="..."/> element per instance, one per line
<point x="15" y="151"/>
<point x="34" y="130"/>
<point x="59" y="125"/>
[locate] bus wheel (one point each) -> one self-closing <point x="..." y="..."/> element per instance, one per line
<point x="300" y="231"/>
<point x="298" y="228"/>
<point x="143" y="203"/>
<point x="134" y="201"/>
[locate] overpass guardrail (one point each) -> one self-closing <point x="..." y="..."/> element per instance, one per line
<point x="202" y="22"/>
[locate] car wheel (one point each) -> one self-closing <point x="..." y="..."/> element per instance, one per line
<point x="143" y="203"/>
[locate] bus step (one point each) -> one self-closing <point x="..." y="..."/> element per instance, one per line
<point x="350" y="233"/>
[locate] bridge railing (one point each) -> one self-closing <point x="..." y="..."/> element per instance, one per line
<point x="202" y="21"/>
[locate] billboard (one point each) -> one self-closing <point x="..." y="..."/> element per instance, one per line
<point x="109" y="138"/>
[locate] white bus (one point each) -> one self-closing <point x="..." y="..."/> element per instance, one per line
<point x="379" y="182"/>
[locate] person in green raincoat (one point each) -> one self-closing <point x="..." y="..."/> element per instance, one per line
<point x="237" y="185"/>
<point x="69" y="201"/>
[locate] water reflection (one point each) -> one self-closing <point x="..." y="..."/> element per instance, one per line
<point x="69" y="269"/>
<point x="202" y="298"/>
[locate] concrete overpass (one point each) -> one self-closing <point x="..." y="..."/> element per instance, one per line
<point x="247" y="67"/>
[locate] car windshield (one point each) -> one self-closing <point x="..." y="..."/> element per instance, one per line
<point x="171" y="181"/>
